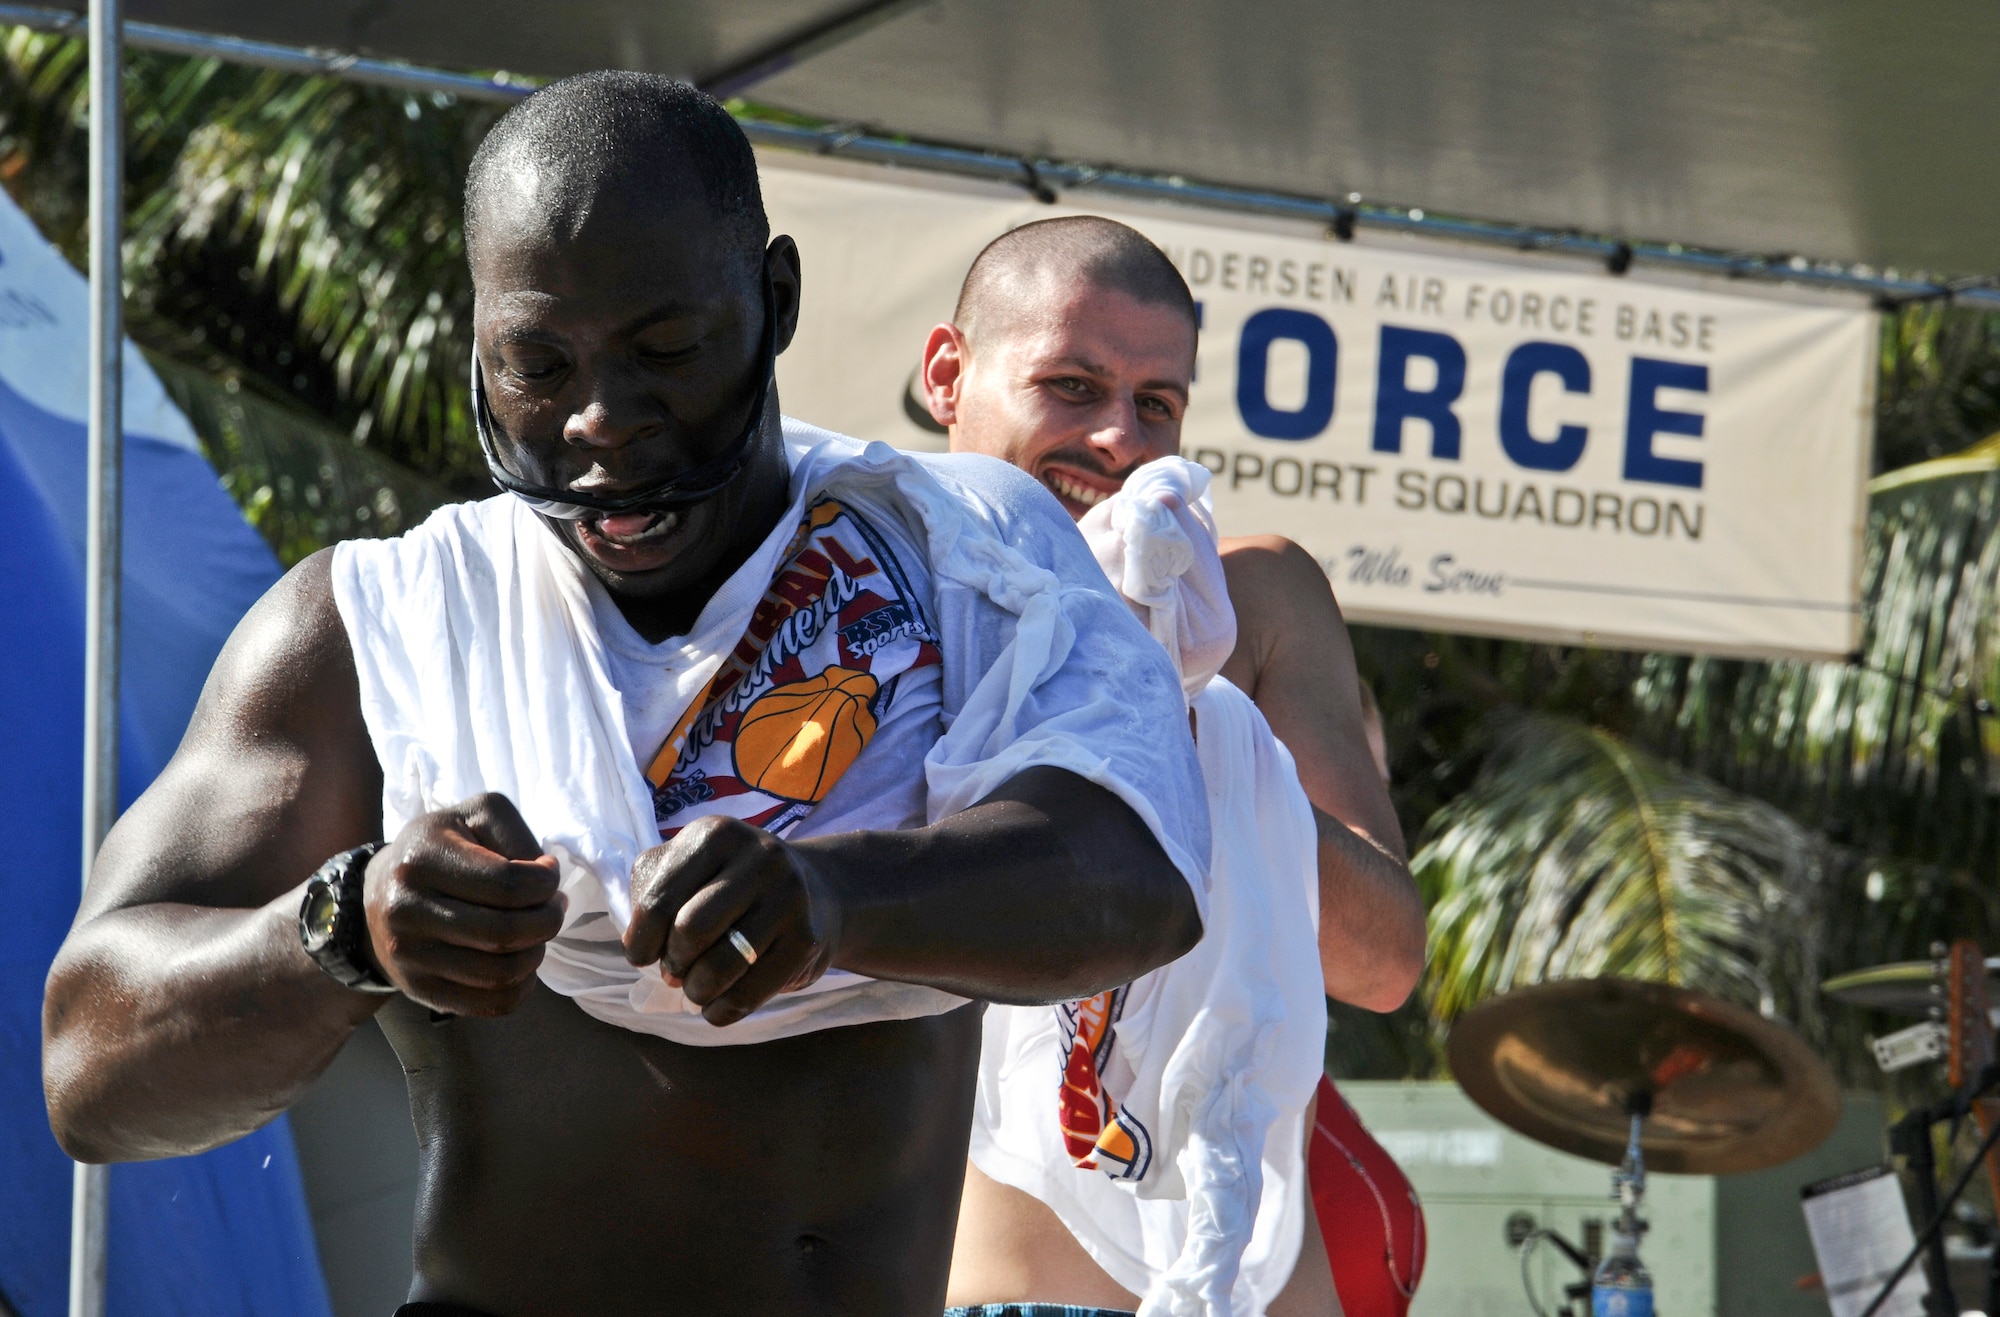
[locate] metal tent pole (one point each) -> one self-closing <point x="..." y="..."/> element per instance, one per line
<point x="90" y="1197"/>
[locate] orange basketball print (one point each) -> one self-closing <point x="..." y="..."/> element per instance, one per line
<point x="795" y="741"/>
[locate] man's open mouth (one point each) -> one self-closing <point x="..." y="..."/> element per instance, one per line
<point x="628" y="530"/>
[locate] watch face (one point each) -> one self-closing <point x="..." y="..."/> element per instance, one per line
<point x="317" y="919"/>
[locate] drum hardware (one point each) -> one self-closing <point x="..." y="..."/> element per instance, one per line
<point x="1730" y="1091"/>
<point x="1524" y="1234"/>
<point x="1911" y="1136"/>
<point x="1908" y="987"/>
<point x="1951" y="990"/>
<point x="1927" y="1041"/>
<point x="1970" y="1027"/>
<point x="1629" y="1073"/>
<point x="1621" y="1285"/>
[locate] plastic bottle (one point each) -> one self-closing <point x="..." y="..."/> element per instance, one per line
<point x="1622" y="1286"/>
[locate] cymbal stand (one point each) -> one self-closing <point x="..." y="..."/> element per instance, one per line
<point x="1628" y="1182"/>
<point x="1621" y="1285"/>
<point x="1993" y="1264"/>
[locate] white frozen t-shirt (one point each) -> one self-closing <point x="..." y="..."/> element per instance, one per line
<point x="487" y="662"/>
<point x="879" y="790"/>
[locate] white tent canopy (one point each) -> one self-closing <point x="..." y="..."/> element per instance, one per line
<point x="1841" y="131"/>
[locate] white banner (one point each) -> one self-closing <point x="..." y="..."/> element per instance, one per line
<point x="1502" y="446"/>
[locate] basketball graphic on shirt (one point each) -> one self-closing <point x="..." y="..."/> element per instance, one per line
<point x="796" y="740"/>
<point x="822" y="658"/>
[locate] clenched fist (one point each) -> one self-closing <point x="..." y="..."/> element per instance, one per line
<point x="720" y="875"/>
<point x="460" y="906"/>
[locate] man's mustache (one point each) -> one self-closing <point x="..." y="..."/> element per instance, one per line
<point x="1084" y="460"/>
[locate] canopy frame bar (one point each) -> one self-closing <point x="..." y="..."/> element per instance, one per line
<point x="285" y="59"/>
<point x="796" y="48"/>
<point x="1341" y="218"/>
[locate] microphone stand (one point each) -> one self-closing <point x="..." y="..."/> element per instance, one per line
<point x="1911" y="1136"/>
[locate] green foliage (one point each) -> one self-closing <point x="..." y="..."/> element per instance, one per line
<point x="1854" y="799"/>
<point x="305" y="231"/>
<point x="341" y="204"/>
<point x="1893" y="753"/>
<point x="1437" y="690"/>
<point x="1574" y="854"/>
<point x="1940" y="382"/>
<point x="43" y="134"/>
<point x="1891" y="757"/>
<point x="300" y="482"/>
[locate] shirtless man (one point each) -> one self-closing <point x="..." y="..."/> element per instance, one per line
<point x="1070" y="355"/>
<point x="627" y="308"/>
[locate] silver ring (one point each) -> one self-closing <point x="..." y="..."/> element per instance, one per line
<point x="743" y="947"/>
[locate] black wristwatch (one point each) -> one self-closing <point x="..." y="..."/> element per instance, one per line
<point x="333" y="926"/>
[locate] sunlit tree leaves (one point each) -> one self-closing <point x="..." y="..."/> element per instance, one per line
<point x="1574" y="854"/>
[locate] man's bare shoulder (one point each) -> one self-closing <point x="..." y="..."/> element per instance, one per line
<point x="276" y="759"/>
<point x="284" y="662"/>
<point x="1271" y="565"/>
<point x="1275" y="585"/>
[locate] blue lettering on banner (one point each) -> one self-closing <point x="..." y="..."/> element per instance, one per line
<point x="1517" y="382"/>
<point x="1644" y="418"/>
<point x="1377" y="566"/>
<point x="1253" y="357"/>
<point x="1396" y="401"/>
<point x="1447" y="577"/>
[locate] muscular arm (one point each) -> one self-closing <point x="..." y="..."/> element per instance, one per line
<point x="181" y="1011"/>
<point x="1048" y="890"/>
<point x="1294" y="659"/>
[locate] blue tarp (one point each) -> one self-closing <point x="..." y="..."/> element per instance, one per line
<point x="225" y="1234"/>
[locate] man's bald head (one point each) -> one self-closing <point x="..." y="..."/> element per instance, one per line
<point x="1006" y="279"/>
<point x="1070" y="356"/>
<point x="634" y="141"/>
<point x="625" y="303"/>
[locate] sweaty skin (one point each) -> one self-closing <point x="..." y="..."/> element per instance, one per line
<point x="570" y="1166"/>
<point x="1079" y="385"/>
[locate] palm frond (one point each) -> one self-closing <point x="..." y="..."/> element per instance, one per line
<point x="342" y="204"/>
<point x="305" y="227"/>
<point x="1894" y="753"/>
<point x="300" y="482"/>
<point x="1574" y="854"/>
<point x="1940" y="382"/>
<point x="43" y="134"/>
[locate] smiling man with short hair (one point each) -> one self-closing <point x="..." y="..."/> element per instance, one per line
<point x="668" y="812"/>
<point x="1070" y="355"/>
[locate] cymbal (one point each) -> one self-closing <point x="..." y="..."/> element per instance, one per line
<point x="1561" y="1063"/>
<point x="1903" y="988"/>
